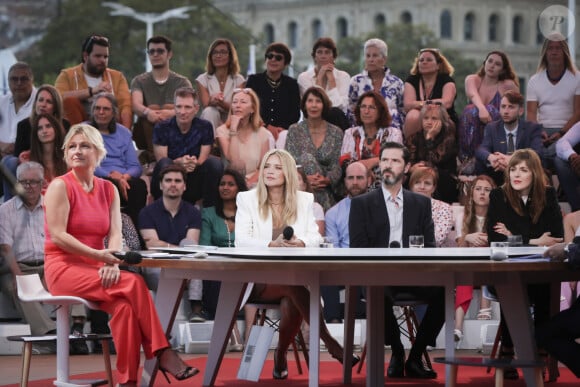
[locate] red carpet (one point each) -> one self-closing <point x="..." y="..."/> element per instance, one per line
<point x="330" y="376"/>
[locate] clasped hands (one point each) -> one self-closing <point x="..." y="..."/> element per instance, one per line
<point x="498" y="161"/>
<point x="122" y="180"/>
<point x="318" y="181"/>
<point x="188" y="162"/>
<point x="281" y="242"/>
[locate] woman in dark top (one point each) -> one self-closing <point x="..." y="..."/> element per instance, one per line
<point x="435" y="145"/>
<point x="279" y="94"/>
<point x="525" y="206"/>
<point x="430" y="80"/>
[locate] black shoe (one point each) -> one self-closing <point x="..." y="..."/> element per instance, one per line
<point x="416" y="369"/>
<point x="396" y="367"/>
<point x="78" y="347"/>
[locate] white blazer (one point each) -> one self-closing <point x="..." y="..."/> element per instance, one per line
<point x="253" y="231"/>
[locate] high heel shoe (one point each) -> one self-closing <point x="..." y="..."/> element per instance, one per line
<point x="278" y="373"/>
<point x="355" y="359"/>
<point x="186" y="373"/>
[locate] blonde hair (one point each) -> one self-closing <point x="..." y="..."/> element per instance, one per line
<point x="290" y="209"/>
<point x="92" y="135"/>
<point x="255" y="118"/>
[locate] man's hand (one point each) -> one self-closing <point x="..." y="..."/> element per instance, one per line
<point x="275" y="130"/>
<point x="575" y="163"/>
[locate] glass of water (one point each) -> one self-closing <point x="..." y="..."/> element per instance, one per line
<point x="498" y="251"/>
<point x="416" y="241"/>
<point x="515" y="240"/>
<point x="326" y="243"/>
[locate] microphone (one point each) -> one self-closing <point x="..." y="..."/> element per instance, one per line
<point x="394" y="245"/>
<point x="288" y="233"/>
<point x="129" y="257"/>
<point x="16" y="187"/>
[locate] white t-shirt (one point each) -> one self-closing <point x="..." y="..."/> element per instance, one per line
<point x="9" y="117"/>
<point x="555" y="102"/>
<point x="338" y="96"/>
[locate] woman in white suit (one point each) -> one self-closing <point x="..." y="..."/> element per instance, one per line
<point x="262" y="215"/>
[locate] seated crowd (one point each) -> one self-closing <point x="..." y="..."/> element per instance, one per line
<point x="370" y="141"/>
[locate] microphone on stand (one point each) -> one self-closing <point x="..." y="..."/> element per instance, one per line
<point x="129" y="257"/>
<point x="288" y="233"/>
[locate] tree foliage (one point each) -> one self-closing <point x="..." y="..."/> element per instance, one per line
<point x="405" y="41"/>
<point x="61" y="45"/>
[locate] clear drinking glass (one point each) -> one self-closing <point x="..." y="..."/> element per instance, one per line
<point x="515" y="240"/>
<point x="416" y="241"/>
<point x="498" y="251"/>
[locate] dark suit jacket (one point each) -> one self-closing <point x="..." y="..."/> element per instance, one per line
<point x="494" y="140"/>
<point x="369" y="223"/>
<point x="499" y="210"/>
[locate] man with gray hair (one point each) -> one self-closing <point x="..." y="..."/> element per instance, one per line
<point x="22" y="246"/>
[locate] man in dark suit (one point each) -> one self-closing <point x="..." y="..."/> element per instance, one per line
<point x="503" y="137"/>
<point x="386" y="217"/>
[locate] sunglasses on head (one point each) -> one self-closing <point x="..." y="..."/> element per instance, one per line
<point x="244" y="90"/>
<point x="102" y="40"/>
<point x="276" y="57"/>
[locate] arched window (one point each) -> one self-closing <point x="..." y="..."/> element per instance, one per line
<point x="292" y="34"/>
<point x="406" y="18"/>
<point x="269" y="33"/>
<point x="492" y="34"/>
<point x="469" y="26"/>
<point x="445" y="28"/>
<point x="341" y="28"/>
<point x="380" y="21"/>
<point x="316" y="29"/>
<point x="517" y="29"/>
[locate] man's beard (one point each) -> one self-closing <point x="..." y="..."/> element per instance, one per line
<point x="393" y="179"/>
<point x="93" y="70"/>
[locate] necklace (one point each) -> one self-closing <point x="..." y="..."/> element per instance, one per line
<point x="425" y="96"/>
<point x="557" y="79"/>
<point x="273" y="84"/>
<point x="161" y="81"/>
<point x="229" y="233"/>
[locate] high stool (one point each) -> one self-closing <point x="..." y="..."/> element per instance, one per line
<point x="30" y="289"/>
<point x="261" y="319"/>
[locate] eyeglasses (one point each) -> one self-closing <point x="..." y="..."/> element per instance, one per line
<point x="434" y="103"/>
<point x="30" y="183"/>
<point x="220" y="53"/>
<point x="276" y="57"/>
<point x="244" y="90"/>
<point x="20" y="79"/>
<point x="156" y="51"/>
<point x="369" y="107"/>
<point x="100" y="40"/>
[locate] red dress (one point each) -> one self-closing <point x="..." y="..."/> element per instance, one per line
<point x="134" y="321"/>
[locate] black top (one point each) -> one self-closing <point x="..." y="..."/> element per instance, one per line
<point x="436" y="93"/>
<point x="23" y="133"/>
<point x="279" y="106"/>
<point x="499" y="210"/>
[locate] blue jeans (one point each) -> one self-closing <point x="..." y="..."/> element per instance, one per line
<point x="10" y="164"/>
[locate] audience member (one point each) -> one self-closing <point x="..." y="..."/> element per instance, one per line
<point x="315" y="145"/>
<point x="171" y="221"/>
<point x="77" y="264"/>
<point x="484" y="90"/>
<point x="569" y="290"/>
<point x="553" y="93"/>
<point x="242" y="139"/>
<point x="363" y="142"/>
<point x="262" y="215"/>
<point x="568" y="165"/>
<point x="385" y="218"/>
<point x="376" y="76"/>
<point x="525" y="206"/>
<point x="473" y="233"/>
<point x="15" y="107"/>
<point x="356" y="182"/>
<point x="317" y="210"/>
<point x="279" y="94"/>
<point x="430" y="80"/>
<point x="77" y="85"/>
<point x="218" y="228"/>
<point x="120" y="164"/>
<point x="217" y="85"/>
<point x="503" y="137"/>
<point x="152" y="94"/>
<point x="335" y="82"/>
<point x="435" y="145"/>
<point x="22" y="245"/>
<point x="187" y="140"/>
<point x="47" y="101"/>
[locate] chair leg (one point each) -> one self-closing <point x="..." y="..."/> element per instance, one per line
<point x="499" y="377"/>
<point x="107" y="359"/>
<point x="302" y="344"/>
<point x="296" y="357"/>
<point x="453" y="376"/>
<point x="26" y="356"/>
<point x="62" y="345"/>
<point x="495" y="347"/>
<point x="412" y="336"/>
<point x="363" y="356"/>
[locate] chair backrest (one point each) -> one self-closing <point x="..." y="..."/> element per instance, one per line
<point x="30" y="288"/>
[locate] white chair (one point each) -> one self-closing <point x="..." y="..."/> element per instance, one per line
<point x="30" y="289"/>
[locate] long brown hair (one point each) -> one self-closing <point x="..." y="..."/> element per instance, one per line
<point x="233" y="62"/>
<point x="507" y="71"/>
<point x="538" y="186"/>
<point x="36" y="149"/>
<point x="469" y="218"/>
<point x="568" y="62"/>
